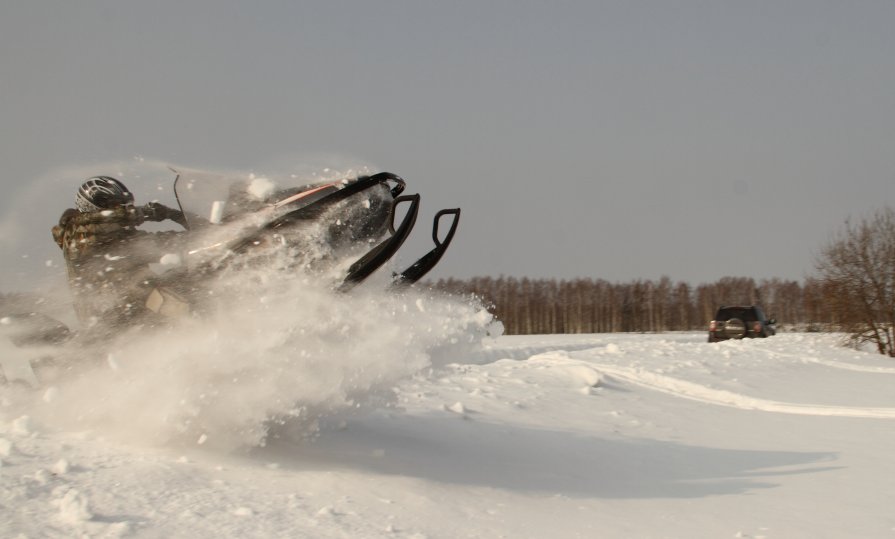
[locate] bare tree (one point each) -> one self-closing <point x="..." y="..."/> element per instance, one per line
<point x="857" y="272"/>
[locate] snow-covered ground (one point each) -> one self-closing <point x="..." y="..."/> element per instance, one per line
<point x="617" y="435"/>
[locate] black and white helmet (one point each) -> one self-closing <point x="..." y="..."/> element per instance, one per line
<point x="102" y="193"/>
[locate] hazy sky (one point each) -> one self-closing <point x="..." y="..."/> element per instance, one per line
<point x="615" y="140"/>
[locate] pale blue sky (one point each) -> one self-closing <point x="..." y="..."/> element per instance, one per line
<point x="615" y="140"/>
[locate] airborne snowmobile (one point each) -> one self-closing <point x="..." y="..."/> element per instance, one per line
<point x="240" y="222"/>
<point x="346" y="229"/>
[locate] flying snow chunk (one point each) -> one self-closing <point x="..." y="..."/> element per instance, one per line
<point x="457" y="408"/>
<point x="166" y="263"/>
<point x="217" y="212"/>
<point x="587" y="375"/>
<point x="51" y="394"/>
<point x="170" y="260"/>
<point x="73" y="507"/>
<point x="113" y="363"/>
<point x="261" y="188"/>
<point x="22" y="426"/>
<point x="61" y="467"/>
<point x="41" y="477"/>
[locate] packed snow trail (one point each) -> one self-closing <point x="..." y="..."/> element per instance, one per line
<point x="683" y="351"/>
<point x="701" y="393"/>
<point x="850" y="367"/>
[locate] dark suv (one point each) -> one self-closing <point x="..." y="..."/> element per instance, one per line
<point x="739" y="322"/>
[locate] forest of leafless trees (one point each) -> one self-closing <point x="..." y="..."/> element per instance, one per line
<point x="534" y="306"/>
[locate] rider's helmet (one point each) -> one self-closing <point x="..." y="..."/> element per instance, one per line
<point x="102" y="193"/>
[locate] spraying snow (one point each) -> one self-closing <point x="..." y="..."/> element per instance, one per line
<point x="275" y="360"/>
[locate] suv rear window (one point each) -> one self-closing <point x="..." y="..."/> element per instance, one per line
<point x="746" y="314"/>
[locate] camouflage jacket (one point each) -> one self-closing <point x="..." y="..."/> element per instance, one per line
<point x="107" y="259"/>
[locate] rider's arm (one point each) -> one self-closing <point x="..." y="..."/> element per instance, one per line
<point x="59" y="230"/>
<point x="110" y="221"/>
<point x="96" y="222"/>
<point x="159" y="212"/>
<point x="126" y="215"/>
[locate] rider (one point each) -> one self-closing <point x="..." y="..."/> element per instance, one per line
<point x="107" y="258"/>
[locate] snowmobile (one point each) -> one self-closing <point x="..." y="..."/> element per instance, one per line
<point x="234" y="223"/>
<point x="348" y="228"/>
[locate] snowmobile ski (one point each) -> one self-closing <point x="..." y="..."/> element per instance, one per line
<point x="379" y="255"/>
<point x="428" y="261"/>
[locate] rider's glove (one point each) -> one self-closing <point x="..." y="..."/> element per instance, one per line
<point x="159" y="212"/>
<point x="155" y="212"/>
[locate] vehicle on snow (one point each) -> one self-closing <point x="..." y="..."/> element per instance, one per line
<point x="739" y="322"/>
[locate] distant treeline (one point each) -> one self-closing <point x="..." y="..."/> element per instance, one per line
<point x="538" y="306"/>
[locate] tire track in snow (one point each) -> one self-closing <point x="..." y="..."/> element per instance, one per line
<point x="700" y="393"/>
<point x="851" y="366"/>
<point x="835" y="364"/>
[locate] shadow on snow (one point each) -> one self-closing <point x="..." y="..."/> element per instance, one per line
<point x="549" y="462"/>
